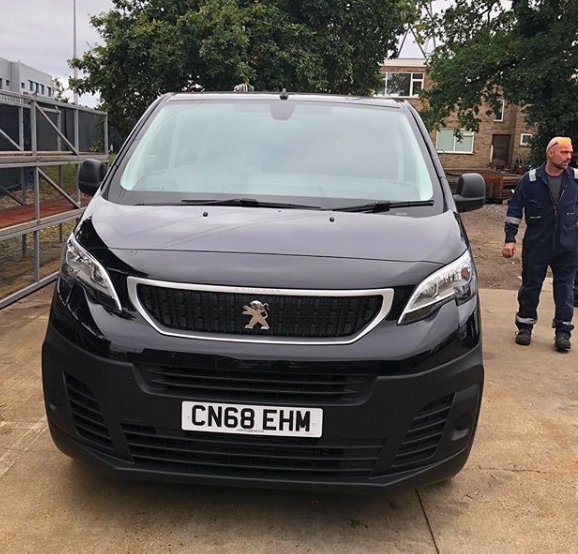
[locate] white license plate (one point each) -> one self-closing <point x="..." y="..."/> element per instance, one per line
<point x="251" y="420"/>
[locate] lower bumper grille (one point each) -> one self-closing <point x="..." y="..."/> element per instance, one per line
<point x="251" y="456"/>
<point x="212" y="377"/>
<point x="90" y="424"/>
<point x="423" y="437"/>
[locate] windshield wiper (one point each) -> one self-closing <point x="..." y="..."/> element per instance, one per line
<point x="249" y="203"/>
<point x="384" y="206"/>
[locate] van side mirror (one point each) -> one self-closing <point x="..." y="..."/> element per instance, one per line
<point x="470" y="192"/>
<point x="90" y="176"/>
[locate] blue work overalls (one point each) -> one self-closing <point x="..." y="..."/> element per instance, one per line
<point x="551" y="239"/>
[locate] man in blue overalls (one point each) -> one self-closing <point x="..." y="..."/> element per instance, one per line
<point x="548" y="198"/>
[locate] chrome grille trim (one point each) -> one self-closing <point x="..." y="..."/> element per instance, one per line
<point x="386" y="294"/>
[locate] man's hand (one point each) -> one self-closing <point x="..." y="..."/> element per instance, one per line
<point x="509" y="249"/>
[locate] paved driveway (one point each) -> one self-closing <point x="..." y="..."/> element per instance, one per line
<point x="518" y="492"/>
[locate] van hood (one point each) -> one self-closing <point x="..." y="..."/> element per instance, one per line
<point x="387" y="236"/>
<point x="260" y="247"/>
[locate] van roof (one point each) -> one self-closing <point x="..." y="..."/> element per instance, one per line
<point x="307" y="97"/>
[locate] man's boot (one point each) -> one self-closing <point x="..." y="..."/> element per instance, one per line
<point x="562" y="342"/>
<point x="524" y="337"/>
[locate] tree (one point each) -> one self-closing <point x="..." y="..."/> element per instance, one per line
<point x="524" y="51"/>
<point x="155" y="46"/>
<point x="59" y="90"/>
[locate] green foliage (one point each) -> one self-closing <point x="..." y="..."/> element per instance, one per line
<point x="58" y="89"/>
<point x="525" y="51"/>
<point x="155" y="46"/>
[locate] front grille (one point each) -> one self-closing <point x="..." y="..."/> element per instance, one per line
<point x="217" y="377"/>
<point x="210" y="453"/>
<point x="287" y="316"/>
<point x="90" y="424"/>
<point x="423" y="437"/>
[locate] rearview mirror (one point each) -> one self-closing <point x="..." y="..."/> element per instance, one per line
<point x="470" y="192"/>
<point x="90" y="176"/>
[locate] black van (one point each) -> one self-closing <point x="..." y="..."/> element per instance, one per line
<point x="269" y="290"/>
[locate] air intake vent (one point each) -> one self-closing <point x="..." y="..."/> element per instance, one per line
<point x="423" y="437"/>
<point x="87" y="416"/>
<point x="251" y="456"/>
<point x="211" y="377"/>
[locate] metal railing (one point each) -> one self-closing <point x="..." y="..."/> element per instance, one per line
<point x="39" y="139"/>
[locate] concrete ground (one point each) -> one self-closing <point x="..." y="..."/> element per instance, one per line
<point x="518" y="492"/>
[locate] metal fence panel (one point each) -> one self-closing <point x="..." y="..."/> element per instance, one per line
<point x="40" y="150"/>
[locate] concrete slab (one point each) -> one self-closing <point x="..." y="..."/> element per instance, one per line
<point x="511" y="436"/>
<point x="71" y="505"/>
<point x="16" y="344"/>
<point x="518" y="492"/>
<point x="42" y="441"/>
<point x="20" y="436"/>
<point x="504" y="511"/>
<point x="22" y="398"/>
<point x="30" y="307"/>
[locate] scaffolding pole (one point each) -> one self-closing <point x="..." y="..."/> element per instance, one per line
<point x="22" y="216"/>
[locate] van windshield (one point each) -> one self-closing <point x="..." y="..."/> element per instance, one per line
<point x="318" y="152"/>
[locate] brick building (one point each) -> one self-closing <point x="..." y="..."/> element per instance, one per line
<point x="501" y="141"/>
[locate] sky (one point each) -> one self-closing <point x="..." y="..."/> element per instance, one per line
<point x="39" y="33"/>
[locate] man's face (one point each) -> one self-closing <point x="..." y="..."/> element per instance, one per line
<point x="560" y="155"/>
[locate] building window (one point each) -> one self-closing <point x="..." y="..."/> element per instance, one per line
<point x="525" y="139"/>
<point x="448" y="143"/>
<point x="499" y="113"/>
<point x="403" y="84"/>
<point x="42" y="89"/>
<point x="7" y="83"/>
<point x="1" y="82"/>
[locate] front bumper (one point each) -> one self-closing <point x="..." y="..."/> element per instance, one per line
<point x="393" y="430"/>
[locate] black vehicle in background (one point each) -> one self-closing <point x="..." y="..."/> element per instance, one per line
<point x="269" y="290"/>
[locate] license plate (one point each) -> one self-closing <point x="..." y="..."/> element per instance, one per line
<point x="251" y="420"/>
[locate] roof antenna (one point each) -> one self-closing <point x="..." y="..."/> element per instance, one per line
<point x="284" y="94"/>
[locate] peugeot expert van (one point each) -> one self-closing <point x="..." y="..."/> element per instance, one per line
<point x="269" y="290"/>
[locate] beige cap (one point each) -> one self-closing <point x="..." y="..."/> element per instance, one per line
<point x="565" y="142"/>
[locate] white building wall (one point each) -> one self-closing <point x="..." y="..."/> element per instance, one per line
<point x="19" y="77"/>
<point x="5" y="74"/>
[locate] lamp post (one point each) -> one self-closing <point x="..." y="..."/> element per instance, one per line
<point x="74" y="69"/>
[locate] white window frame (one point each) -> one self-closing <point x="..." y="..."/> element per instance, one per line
<point x="412" y="81"/>
<point x="415" y="80"/>
<point x="454" y="151"/>
<point x="502" y="112"/>
<point x="527" y="136"/>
